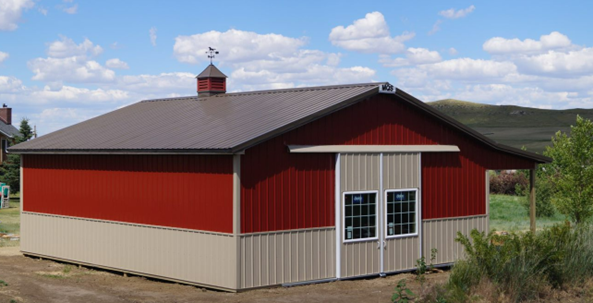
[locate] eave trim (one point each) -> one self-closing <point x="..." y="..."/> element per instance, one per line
<point x="126" y="152"/>
<point x="373" y="148"/>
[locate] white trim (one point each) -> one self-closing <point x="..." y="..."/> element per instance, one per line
<point x="237" y="194"/>
<point x="381" y="221"/>
<point x="343" y="205"/>
<point x="337" y="218"/>
<point x="21" y="184"/>
<point x="487" y="201"/>
<point x="419" y="207"/>
<point x="371" y="148"/>
<point x="385" y="215"/>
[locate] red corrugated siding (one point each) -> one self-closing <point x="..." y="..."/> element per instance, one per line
<point x="193" y="192"/>
<point x="288" y="191"/>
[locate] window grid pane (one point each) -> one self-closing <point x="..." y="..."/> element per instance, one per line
<point x="360" y="216"/>
<point x="401" y="212"/>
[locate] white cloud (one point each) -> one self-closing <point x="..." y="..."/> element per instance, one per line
<point x="69" y="94"/>
<point x="506" y="94"/>
<point x="453" y="51"/>
<point x="414" y="56"/>
<point x="71" y="10"/>
<point x="69" y="62"/>
<point x="369" y="35"/>
<point x="559" y="64"/>
<point x="470" y="69"/>
<point x="70" y="69"/>
<point x="261" y="61"/>
<point x="435" y="27"/>
<point x="10" y="13"/>
<point x="456" y="14"/>
<point x="116" y="63"/>
<point x="66" y="47"/>
<point x="3" y="56"/>
<point x="183" y="83"/>
<point x="10" y="84"/>
<point x="499" y="45"/>
<point x="235" y="46"/>
<point x="152" y="33"/>
<point x="313" y="75"/>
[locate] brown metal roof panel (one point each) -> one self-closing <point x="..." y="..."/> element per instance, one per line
<point x="218" y="122"/>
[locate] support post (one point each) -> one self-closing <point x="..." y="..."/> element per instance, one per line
<point x="532" y="199"/>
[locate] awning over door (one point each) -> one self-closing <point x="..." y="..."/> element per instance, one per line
<point x="372" y="148"/>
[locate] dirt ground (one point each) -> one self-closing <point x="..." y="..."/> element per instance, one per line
<point x="34" y="280"/>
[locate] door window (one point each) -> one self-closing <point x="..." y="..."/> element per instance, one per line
<point x="401" y="212"/>
<point x="360" y="216"/>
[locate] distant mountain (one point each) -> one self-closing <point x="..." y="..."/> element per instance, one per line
<point x="512" y="125"/>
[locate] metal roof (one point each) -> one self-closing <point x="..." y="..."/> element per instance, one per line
<point x="211" y="72"/>
<point x="223" y="123"/>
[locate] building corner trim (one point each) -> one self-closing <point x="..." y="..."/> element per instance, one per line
<point x="237" y="216"/>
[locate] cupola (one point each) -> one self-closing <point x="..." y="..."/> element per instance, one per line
<point x="211" y="82"/>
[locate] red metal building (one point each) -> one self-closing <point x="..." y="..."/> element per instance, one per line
<point x="243" y="190"/>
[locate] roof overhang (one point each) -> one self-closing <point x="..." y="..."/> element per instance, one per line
<point x="373" y="148"/>
<point x="6" y="134"/>
<point x="128" y="152"/>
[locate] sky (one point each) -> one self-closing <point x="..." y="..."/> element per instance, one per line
<point x="65" y="61"/>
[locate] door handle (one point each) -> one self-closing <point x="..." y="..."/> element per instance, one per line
<point x="384" y="245"/>
<point x="379" y="244"/>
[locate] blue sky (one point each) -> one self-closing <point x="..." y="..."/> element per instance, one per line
<point x="62" y="62"/>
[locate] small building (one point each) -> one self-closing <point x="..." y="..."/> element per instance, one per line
<point x="7" y="131"/>
<point x="243" y="190"/>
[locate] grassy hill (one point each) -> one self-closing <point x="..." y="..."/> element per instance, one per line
<point x="512" y="125"/>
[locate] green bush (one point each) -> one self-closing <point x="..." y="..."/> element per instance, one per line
<point x="522" y="266"/>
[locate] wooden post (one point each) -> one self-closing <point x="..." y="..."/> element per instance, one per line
<point x="532" y="199"/>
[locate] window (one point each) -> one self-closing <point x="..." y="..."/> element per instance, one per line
<point x="360" y="216"/>
<point x="401" y="212"/>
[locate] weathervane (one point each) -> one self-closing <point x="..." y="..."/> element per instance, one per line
<point x="212" y="53"/>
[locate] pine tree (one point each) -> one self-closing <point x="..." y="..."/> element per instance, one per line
<point x="10" y="170"/>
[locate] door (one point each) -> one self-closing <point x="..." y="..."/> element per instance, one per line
<point x="378" y="212"/>
<point x="401" y="192"/>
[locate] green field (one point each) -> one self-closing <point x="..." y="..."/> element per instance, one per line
<point x="507" y="214"/>
<point x="10" y="222"/>
<point x="512" y="125"/>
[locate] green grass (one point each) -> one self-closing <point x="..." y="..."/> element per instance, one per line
<point x="10" y="222"/>
<point x="507" y="214"/>
<point x="512" y="125"/>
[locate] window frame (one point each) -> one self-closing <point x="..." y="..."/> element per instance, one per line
<point x="377" y="216"/>
<point x="416" y="211"/>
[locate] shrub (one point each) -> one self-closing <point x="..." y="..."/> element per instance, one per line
<point x="507" y="182"/>
<point x="522" y="266"/>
